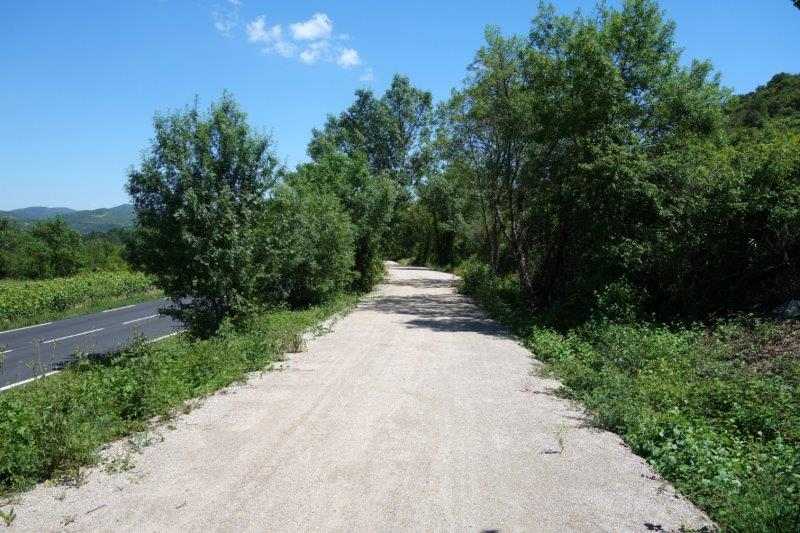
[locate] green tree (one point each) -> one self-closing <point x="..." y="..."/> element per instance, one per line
<point x="575" y="139"/>
<point x="392" y="131"/>
<point x="58" y="252"/>
<point x="198" y="194"/>
<point x="369" y="200"/>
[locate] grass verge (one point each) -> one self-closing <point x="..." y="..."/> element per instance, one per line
<point x="715" y="410"/>
<point x="53" y="426"/>
<point x="25" y="302"/>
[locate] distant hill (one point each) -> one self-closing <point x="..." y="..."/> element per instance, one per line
<point x="87" y="221"/>
<point x="36" y="213"/>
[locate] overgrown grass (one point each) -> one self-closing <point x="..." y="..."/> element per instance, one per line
<point x="26" y="302"/>
<point x="715" y="410"/>
<point x="53" y="426"/>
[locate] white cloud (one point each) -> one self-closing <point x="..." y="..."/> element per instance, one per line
<point x="348" y="58"/>
<point x="259" y="32"/>
<point x="367" y="76"/>
<point x="282" y="48"/>
<point x="316" y="51"/>
<point x="312" y="41"/>
<point x="319" y="26"/>
<point x="226" y="18"/>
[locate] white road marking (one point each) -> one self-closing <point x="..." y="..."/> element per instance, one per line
<point x="74" y="335"/>
<point x="6" y="351"/>
<point x="17" y="384"/>
<point x="119" y="308"/>
<point x="140" y="319"/>
<point x="26" y="327"/>
<point x="161" y="338"/>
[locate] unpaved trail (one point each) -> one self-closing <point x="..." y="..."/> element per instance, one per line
<point x="415" y="413"/>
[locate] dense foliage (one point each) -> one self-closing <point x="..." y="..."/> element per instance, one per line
<point x="49" y="248"/>
<point x="23" y="302"/>
<point x="198" y="194"/>
<point x="716" y="411"/>
<point x="584" y="156"/>
<point x="222" y="240"/>
<point x="305" y="248"/>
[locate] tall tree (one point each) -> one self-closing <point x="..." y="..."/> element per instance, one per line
<point x="392" y="131"/>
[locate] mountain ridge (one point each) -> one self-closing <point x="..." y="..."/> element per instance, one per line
<point x="84" y="221"/>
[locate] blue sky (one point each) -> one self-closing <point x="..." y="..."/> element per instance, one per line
<point x="80" y="80"/>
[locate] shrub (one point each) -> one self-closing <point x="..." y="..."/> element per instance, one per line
<point x="197" y="195"/>
<point x="305" y="248"/>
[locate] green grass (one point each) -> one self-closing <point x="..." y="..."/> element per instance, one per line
<point x="53" y="426"/>
<point x="25" y="302"/>
<point x="714" y="409"/>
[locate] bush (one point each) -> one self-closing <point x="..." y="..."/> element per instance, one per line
<point x="305" y="248"/>
<point x="367" y="198"/>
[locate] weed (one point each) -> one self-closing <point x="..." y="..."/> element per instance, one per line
<point x="120" y="463"/>
<point x="8" y="517"/>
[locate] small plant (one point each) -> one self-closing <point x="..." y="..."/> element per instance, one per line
<point x="73" y="476"/>
<point x="8" y="517"/>
<point x="120" y="463"/>
<point x="297" y="343"/>
<point x="139" y="441"/>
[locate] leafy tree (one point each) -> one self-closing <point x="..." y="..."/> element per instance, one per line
<point x="198" y="194"/>
<point x="305" y="248"/>
<point x="368" y="199"/>
<point x="778" y="100"/>
<point x="392" y="131"/>
<point x="574" y="142"/>
<point x="60" y="254"/>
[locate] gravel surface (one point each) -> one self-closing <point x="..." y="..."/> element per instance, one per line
<point x="414" y="413"/>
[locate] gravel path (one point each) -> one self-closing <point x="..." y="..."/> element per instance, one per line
<point x="415" y="413"/>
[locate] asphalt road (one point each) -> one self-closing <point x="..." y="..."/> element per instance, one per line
<point x="37" y="350"/>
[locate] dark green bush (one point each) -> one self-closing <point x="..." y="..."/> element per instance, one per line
<point x="305" y="248"/>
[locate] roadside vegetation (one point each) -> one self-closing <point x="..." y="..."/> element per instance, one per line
<point x="49" y="271"/>
<point x="26" y="302"/>
<point x="52" y="428"/>
<point x="637" y="226"/>
<point x="715" y="408"/>
<point x="631" y="219"/>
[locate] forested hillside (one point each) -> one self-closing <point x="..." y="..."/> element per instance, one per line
<point x="87" y="221"/>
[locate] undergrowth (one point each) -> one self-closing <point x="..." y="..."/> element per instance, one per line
<point x="55" y="425"/>
<point x="715" y="409"/>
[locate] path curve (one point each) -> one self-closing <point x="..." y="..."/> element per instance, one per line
<point x="415" y="413"/>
